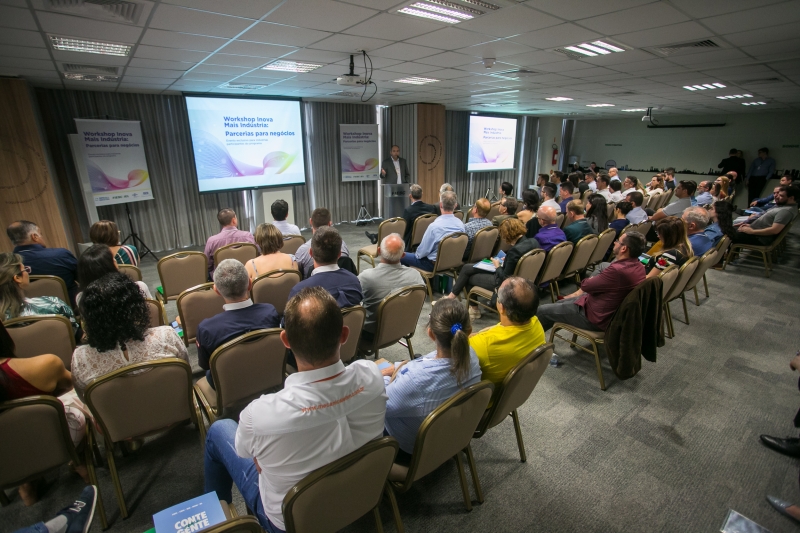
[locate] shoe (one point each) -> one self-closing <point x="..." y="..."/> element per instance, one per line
<point x="781" y="506"/>
<point x="474" y="313"/>
<point x="79" y="515"/>
<point x="789" y="446"/>
<point x="373" y="237"/>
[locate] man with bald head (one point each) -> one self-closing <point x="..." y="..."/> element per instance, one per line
<point x="388" y="276"/>
<point x="549" y="233"/>
<point x="613" y="174"/>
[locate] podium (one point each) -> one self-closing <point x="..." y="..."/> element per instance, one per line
<point x="395" y="199"/>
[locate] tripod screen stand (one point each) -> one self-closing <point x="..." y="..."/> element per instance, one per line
<point x="135" y="239"/>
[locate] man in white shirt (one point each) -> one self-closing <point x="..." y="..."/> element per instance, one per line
<point x="549" y="194"/>
<point x="615" y="187"/>
<point x="324" y="412"/>
<point x="602" y="187"/>
<point x="629" y="186"/>
<point x="613" y="174"/>
<point x="280" y="210"/>
<point x="589" y="179"/>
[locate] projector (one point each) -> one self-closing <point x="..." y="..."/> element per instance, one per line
<point x="350" y="80"/>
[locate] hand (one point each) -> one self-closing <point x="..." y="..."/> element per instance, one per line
<point x="258" y="467"/>
<point x="383" y="172"/>
<point x="496" y="262"/>
<point x="388" y="371"/>
<point x="745" y="228"/>
<point x="753" y="203"/>
<point x="795" y="363"/>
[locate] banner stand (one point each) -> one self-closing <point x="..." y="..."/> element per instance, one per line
<point x="363" y="217"/>
<point x="135" y="239"/>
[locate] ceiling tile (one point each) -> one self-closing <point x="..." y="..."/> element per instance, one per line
<point x="394" y="27"/>
<point x="267" y="32"/>
<point x="496" y="49"/>
<point x="25" y="63"/>
<point x="324" y="15"/>
<point x="451" y="38"/>
<point x="411" y="68"/>
<point x="709" y="57"/>
<point x="13" y="17"/>
<point x="237" y="61"/>
<point x="253" y="9"/>
<point x="708" y="8"/>
<point x="206" y="77"/>
<point x="187" y="41"/>
<point x="448" y="59"/>
<point x="783" y="49"/>
<point x="21" y="38"/>
<point x="555" y="36"/>
<point x="153" y="72"/>
<point x="510" y="21"/>
<point x="80" y="27"/>
<point x="762" y="17"/>
<point x="221" y="69"/>
<point x="376" y="4"/>
<point x="317" y="56"/>
<point x="375" y="61"/>
<point x="529" y="59"/>
<point x="349" y="44"/>
<point x="244" y="48"/>
<point x="579" y="9"/>
<point x="636" y="18"/>
<point x="169" y="17"/>
<point x="24" y="52"/>
<point x="775" y="33"/>
<point x="676" y="33"/>
<point x="153" y="81"/>
<point x="155" y="63"/>
<point x="170" y="54"/>
<point x="407" y="52"/>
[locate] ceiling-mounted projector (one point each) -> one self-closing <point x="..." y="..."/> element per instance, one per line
<point x="350" y="80"/>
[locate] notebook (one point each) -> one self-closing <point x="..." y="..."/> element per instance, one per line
<point x="190" y="516"/>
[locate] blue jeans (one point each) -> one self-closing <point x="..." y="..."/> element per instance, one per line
<point x="38" y="527"/>
<point x="223" y="468"/>
<point x="411" y="260"/>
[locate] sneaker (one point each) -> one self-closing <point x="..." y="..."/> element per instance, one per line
<point x="79" y="515"/>
<point x="373" y="237"/>
<point x="474" y="313"/>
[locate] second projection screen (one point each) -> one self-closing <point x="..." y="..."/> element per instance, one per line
<point x="492" y="143"/>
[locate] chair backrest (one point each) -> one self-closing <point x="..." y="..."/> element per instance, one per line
<point x="291" y="243"/>
<point x="586" y="194"/>
<point x="610" y="207"/>
<point x="721" y="248"/>
<point x="451" y="252"/>
<point x="158" y="315"/>
<point x="34" y="438"/>
<point x="706" y="261"/>
<point x="668" y="277"/>
<point x="339" y="493"/>
<point x="653" y="200"/>
<point x="353" y="319"/>
<point x="560" y="218"/>
<point x="241" y="251"/>
<point x="239" y="524"/>
<point x="530" y="264"/>
<point x="421" y="224"/>
<point x="556" y="260"/>
<point x="644" y="227"/>
<point x="581" y="254"/>
<point x="483" y="243"/>
<point x="195" y="305"/>
<point x="40" y="334"/>
<point x="131" y="271"/>
<point x="576" y="194"/>
<point x="398" y="315"/>
<point x="391" y="225"/>
<point x="274" y="287"/>
<point x="686" y="272"/>
<point x="604" y="241"/>
<point x="182" y="271"/>
<point x="494" y="210"/>
<point x="247" y="366"/>
<point x="141" y="399"/>
<point x="459" y="215"/>
<point x="47" y="286"/>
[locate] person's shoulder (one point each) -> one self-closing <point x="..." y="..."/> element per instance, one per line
<point x="263" y="308"/>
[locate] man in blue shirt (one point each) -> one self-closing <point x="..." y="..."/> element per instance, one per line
<point x="769" y="201"/>
<point x="703" y="196"/>
<point x="759" y="172"/>
<point x="696" y="220"/>
<point x="549" y="234"/>
<point x="425" y="256"/>
<point x="43" y="261"/>
<point x="637" y="215"/>
<point x="240" y="315"/>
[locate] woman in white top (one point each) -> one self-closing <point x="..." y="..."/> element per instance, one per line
<point x="117" y="319"/>
<point x="270" y="240"/>
<point x="656" y="185"/>
<point x="96" y="262"/>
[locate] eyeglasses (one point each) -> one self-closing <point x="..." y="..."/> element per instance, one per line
<point x="26" y="269"/>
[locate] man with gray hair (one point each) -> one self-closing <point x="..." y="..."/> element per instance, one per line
<point x="445" y="224"/>
<point x="416" y="209"/>
<point x="696" y="220"/>
<point x="387" y="276"/>
<point x="446" y="187"/>
<point x="240" y="315"/>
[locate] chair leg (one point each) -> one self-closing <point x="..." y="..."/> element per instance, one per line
<point x="696" y="296"/>
<point x="395" y="510"/>
<point x="767" y="262"/>
<point x="410" y="349"/>
<point x="378" y="524"/>
<point x="552" y="293"/>
<point x="705" y="283"/>
<point x="112" y="467"/>
<point x="599" y="368"/>
<point x="558" y="289"/>
<point x="518" y="430"/>
<point x="685" y="310"/>
<point x="358" y="263"/>
<point x="430" y="291"/>
<point x="88" y="450"/>
<point x="198" y="421"/>
<point x="474" y="470"/>
<point x="463" y="479"/>
<point x="669" y="321"/>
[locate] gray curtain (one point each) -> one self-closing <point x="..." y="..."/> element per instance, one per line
<point x="567" y="142"/>
<point x="404" y="134"/>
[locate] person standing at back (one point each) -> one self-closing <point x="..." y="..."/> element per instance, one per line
<point x="761" y="169"/>
<point x="229" y="234"/>
<point x="732" y="163"/>
<point x="280" y="210"/>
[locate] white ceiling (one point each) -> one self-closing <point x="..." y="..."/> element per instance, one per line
<point x="198" y="45"/>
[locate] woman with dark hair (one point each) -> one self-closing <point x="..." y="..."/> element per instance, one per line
<point x="106" y="232"/>
<point x="621" y="211"/>
<point x="417" y="387"/>
<point x="722" y="215"/>
<point x="96" y="262"/>
<point x="675" y="248"/>
<point x="530" y="204"/>
<point x="116" y="318"/>
<point x="597" y="213"/>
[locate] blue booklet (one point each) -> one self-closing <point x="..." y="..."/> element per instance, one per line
<point x="190" y="516"/>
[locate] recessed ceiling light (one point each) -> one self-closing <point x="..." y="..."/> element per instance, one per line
<point x="242" y="86"/>
<point x="754" y="103"/>
<point x="732" y="96"/>
<point x="89" y="77"/>
<point x="481" y="3"/>
<point x="580" y="50"/>
<point x="608" y="46"/>
<point x="74" y="44"/>
<point x="416" y="80"/>
<point x="632" y="110"/>
<point x="599" y="105"/>
<point x="292" y="66"/>
<point x="493" y="93"/>
<point x="594" y="48"/>
<point x="449" y="8"/>
<point x="428" y="15"/>
<point x="559" y="99"/>
<point x="704" y="87"/>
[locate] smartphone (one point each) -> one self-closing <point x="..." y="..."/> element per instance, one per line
<point x="644" y="259"/>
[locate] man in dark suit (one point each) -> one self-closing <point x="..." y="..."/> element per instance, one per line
<point x="395" y="169"/>
<point x="733" y="163"/>
<point x="414" y="211"/>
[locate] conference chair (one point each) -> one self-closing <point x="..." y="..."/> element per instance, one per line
<point x="449" y="258"/>
<point x="494" y="210"/>
<point x="653" y="200"/>
<point x="444" y="434"/>
<point x="610" y="207"/>
<point x="42" y="334"/>
<point x="595" y="338"/>
<point x="131" y="271"/>
<point x="644" y="227"/>
<point x="140" y="400"/>
<point x="483" y="244"/>
<point x="668" y="277"/>
<point x="274" y="287"/>
<point x="291" y="243"/>
<point x="195" y="305"/>
<point x="421" y="224"/>
<point x="243" y="369"/>
<point x="459" y="215"/>
<point x="560" y="218"/>
<point x="604" y="242"/>
<point x="179" y="272"/>
<point x="386" y="228"/>
<point x="241" y="251"/>
<point x="236" y="524"/>
<point x="676" y="291"/>
<point x="576" y="195"/>
<point x="556" y="260"/>
<point x="767" y="251"/>
<point x="586" y="194"/>
<point x="707" y="260"/>
<point x="397" y="317"/>
<point x="34" y="440"/>
<point x="48" y="286"/>
<point x="339" y="493"/>
<point x="528" y="267"/>
<point x="354" y="319"/>
<point x="158" y="315"/>
<point x="579" y="259"/>
<point x="513" y="392"/>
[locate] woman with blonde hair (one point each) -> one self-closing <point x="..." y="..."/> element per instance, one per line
<point x="106" y="232"/>
<point x="720" y="189"/>
<point x="675" y="246"/>
<point x="270" y="240"/>
<point x="656" y="185"/>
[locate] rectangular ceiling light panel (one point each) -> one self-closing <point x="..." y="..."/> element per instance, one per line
<point x="559" y="99"/>
<point x="632" y="110"/>
<point x="292" y="66"/>
<point x="704" y="87"/>
<point x="428" y="15"/>
<point x="416" y="80"/>
<point x="732" y="96"/>
<point x="77" y="44"/>
<point x="599" y="105"/>
<point x="754" y="103"/>
<point x="594" y="48"/>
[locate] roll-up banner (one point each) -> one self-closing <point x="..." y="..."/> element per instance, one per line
<point x="359" y="152"/>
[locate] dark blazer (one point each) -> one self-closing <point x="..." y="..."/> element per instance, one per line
<point x="52" y="262"/>
<point x="391" y="173"/>
<point x="734" y="163"/>
<point x="410" y="214"/>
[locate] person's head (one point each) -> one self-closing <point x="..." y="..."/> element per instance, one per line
<point x="530" y="200"/>
<point x="511" y="229"/>
<point x="557" y="175"/>
<point x="268" y="238"/>
<point x="615" y="186"/>
<point x="326" y="246"/>
<point x="636" y="198"/>
<point x="94" y="263"/>
<point x="763" y="153"/>
<point x="574" y="179"/>
<point x="508" y="205"/>
<point x="566" y="190"/>
<point x="314" y="310"/>
<point x="695" y="218"/>
<point x="612" y="172"/>
<point x="672" y="234"/>
<point x="630" y="182"/>
<point x="481" y="208"/>
<point x="670" y="172"/>
<point x="732" y="152"/>
<point x="13" y="281"/>
<point x="24" y="232"/>
<point x="395" y="151"/>
<point x="704" y="186"/>
<point x="565" y="178"/>
<point x="603" y="182"/>
<point x="630" y="244"/>
<point x="788" y="195"/>
<point x="518" y="300"/>
<point x="547" y="215"/>
<point x="731" y="175"/>
<point x="589" y="177"/>
<point x="416" y="192"/>
<point x="391" y="249"/>
<point x="114" y="312"/>
<point x="597" y="211"/>
<point x="506" y="188"/>
<point x="542" y="180"/>
<point x="575" y="210"/>
<point x="723" y="213"/>
<point x="593" y="165"/>
<point x="448" y="202"/>
<point x="685" y="189"/>
<point x="227" y="217"/>
<point x="231" y="281"/>
<point x="445" y="187"/>
<point x="279" y="210"/>
<point x="104" y="232"/>
<point x="786" y="180"/>
<point x="449" y="327"/>
<point x="721" y="186"/>
<point x="320" y="217"/>
<point x="622" y="209"/>
<point x="549" y="191"/>
<point x="656" y="182"/>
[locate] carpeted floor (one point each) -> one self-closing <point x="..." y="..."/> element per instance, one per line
<point x="670" y="450"/>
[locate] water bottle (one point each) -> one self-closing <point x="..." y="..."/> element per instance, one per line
<point x="554" y="362"/>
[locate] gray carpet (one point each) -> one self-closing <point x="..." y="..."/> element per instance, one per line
<point x="670" y="450"/>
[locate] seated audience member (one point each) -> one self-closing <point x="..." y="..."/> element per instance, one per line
<point x="613" y="174"/>
<point x="229" y="234"/>
<point x="656" y="185"/>
<point x="616" y="191"/>
<point x="106" y="232"/>
<point x="478" y="221"/>
<point x="696" y="220"/>
<point x="505" y="190"/>
<point x="579" y="226"/>
<point x="621" y="211"/>
<point x="239" y="316"/>
<point x="721" y="188"/>
<point x="343" y="285"/>
<point x="721" y="215"/>
<point x="421" y="385"/>
<point x="14" y="279"/>
<point x="282" y="437"/>
<point x="683" y="192"/>
<point x="597" y="213"/>
<point x="445" y="224"/>
<point x="549" y="234"/>
<point x="95" y="263"/>
<point x="629" y="185"/>
<point x="565" y="196"/>
<point x="589" y="179"/>
<point x="703" y="195"/>
<point x="669" y="178"/>
<point x="43" y="261"/>
<point x="443" y="189"/>
<point x="603" y="187"/>
<point x="549" y="194"/>
<point x="762" y="204"/>
<point x="593" y="305"/>
<point x="500" y="347"/>
<point x="280" y="210"/>
<point x="541" y="181"/>
<point x="118" y="330"/>
<point x="530" y="204"/>
<point x="387" y="276"/>
<point x="636" y="215"/>
<point x="513" y="232"/>
<point x="575" y="179"/>
<point x="673" y="246"/>
<point x="320" y="218"/>
<point x="762" y="230"/>
<point x="75" y="518"/>
<point x="270" y="240"/>
<point x="583" y="185"/>
<point x="413" y="212"/>
<point x="508" y="209"/>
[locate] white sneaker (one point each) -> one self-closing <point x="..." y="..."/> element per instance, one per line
<point x="474" y="313"/>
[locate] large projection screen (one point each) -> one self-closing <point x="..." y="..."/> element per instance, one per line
<point x="492" y="143"/>
<point x="246" y="143"/>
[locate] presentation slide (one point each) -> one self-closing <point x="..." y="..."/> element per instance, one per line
<point x="492" y="142"/>
<point x="244" y="143"/>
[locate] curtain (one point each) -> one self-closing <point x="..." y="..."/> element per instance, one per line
<point x="567" y="142"/>
<point x="404" y="134"/>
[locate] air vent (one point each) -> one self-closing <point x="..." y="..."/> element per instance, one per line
<point x="673" y="49"/>
<point x="89" y="69"/>
<point x="126" y="11"/>
<point x="72" y="76"/>
<point x="346" y="94"/>
<point x="570" y="54"/>
<point x="760" y="81"/>
<point x="514" y="74"/>
<point x="621" y="94"/>
<point x="395" y="92"/>
<point x="242" y="86"/>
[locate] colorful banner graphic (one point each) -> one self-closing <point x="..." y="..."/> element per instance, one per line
<point x="359" y="151"/>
